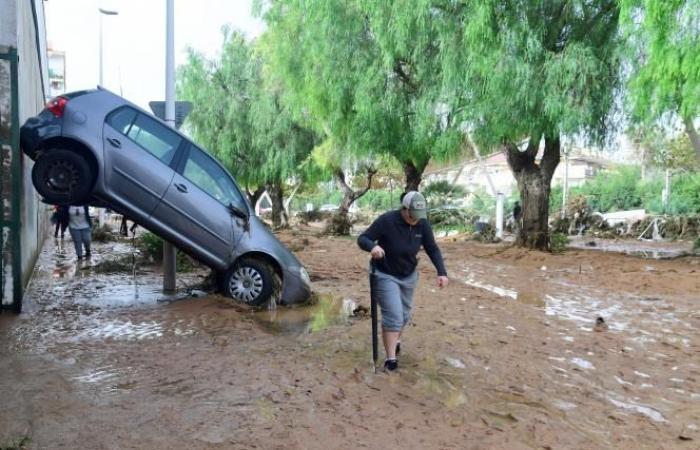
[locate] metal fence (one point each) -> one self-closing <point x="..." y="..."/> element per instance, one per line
<point x="10" y="184"/>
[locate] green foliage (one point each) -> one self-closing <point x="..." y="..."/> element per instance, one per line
<point x="558" y="242"/>
<point x="696" y="244"/>
<point x="622" y="188"/>
<point x="152" y="248"/>
<point x="523" y="68"/>
<point x="451" y="219"/>
<point x="444" y="188"/>
<point x="239" y="117"/>
<point x="380" y="200"/>
<point x="20" y="444"/>
<point x="663" y="51"/>
<point x="360" y="85"/>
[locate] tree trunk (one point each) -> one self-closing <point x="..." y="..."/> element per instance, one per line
<point x="340" y="222"/>
<point x="534" y="183"/>
<point x="693" y="135"/>
<point x="414" y="174"/>
<point x="279" y="216"/>
<point x="254" y="196"/>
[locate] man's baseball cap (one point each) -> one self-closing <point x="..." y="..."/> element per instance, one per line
<point x="416" y="205"/>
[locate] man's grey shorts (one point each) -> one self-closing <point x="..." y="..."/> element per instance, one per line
<point x="395" y="298"/>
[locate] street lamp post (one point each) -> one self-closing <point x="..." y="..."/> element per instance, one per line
<point x="169" y="252"/>
<point x="103" y="12"/>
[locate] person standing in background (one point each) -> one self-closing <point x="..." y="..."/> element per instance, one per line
<point x="80" y="226"/>
<point x="60" y="219"/>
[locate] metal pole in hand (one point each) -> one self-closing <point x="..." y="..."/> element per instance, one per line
<point x="373" y="312"/>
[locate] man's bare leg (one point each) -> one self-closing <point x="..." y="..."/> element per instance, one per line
<point x="390" y="339"/>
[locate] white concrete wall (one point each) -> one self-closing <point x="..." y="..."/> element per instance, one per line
<point x="19" y="30"/>
<point x="33" y="84"/>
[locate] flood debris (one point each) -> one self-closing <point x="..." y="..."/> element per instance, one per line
<point x="600" y="324"/>
<point x="456" y="363"/>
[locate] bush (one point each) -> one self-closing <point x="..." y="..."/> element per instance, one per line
<point x="103" y="234"/>
<point x="622" y="188"/>
<point x="558" y="242"/>
<point x="451" y="219"/>
<point x="152" y="247"/>
<point x="696" y="244"/>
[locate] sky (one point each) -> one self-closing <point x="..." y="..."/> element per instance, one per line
<point x="134" y="40"/>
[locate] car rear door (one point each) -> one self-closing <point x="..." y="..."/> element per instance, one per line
<point x="196" y="207"/>
<point x="139" y="160"/>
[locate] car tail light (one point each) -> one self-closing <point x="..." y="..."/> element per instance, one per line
<point x="57" y="105"/>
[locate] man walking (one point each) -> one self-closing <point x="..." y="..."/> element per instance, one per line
<point x="394" y="240"/>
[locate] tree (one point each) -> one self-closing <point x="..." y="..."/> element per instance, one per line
<point x="366" y="96"/>
<point x="526" y="72"/>
<point x="237" y="114"/>
<point x="664" y="57"/>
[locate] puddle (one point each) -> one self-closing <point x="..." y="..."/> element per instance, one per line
<point x="500" y="291"/>
<point x="640" y="249"/>
<point x="582" y="363"/>
<point x="644" y="410"/>
<point x="328" y="311"/>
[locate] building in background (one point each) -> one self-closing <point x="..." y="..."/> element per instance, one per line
<point x="57" y="72"/>
<point x="23" y="92"/>
<point x="474" y="175"/>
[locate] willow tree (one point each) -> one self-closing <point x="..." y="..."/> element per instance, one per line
<point x="237" y="115"/>
<point x="368" y="98"/>
<point x="525" y="73"/>
<point x="664" y="57"/>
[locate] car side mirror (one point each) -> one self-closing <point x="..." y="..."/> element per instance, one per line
<point x="238" y="212"/>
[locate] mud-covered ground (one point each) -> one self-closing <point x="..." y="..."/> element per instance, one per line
<point x="506" y="357"/>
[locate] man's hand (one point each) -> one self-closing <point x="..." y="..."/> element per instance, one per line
<point x="442" y="281"/>
<point x="377" y="252"/>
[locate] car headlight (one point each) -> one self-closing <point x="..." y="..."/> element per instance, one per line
<point x="304" y="275"/>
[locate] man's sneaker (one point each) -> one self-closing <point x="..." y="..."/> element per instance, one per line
<point x="391" y="365"/>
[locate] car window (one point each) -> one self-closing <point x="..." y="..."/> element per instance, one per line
<point x="203" y="171"/>
<point x="121" y="119"/>
<point x="154" y="137"/>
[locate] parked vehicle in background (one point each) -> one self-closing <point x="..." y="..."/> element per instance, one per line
<point x="95" y="147"/>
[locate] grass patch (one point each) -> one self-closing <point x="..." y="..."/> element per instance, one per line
<point x="124" y="264"/>
<point x="558" y="242"/>
<point x="20" y="444"/>
<point x="152" y="248"/>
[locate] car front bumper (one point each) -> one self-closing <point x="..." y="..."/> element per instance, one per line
<point x="297" y="286"/>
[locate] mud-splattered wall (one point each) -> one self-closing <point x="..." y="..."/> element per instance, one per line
<point x="22" y="30"/>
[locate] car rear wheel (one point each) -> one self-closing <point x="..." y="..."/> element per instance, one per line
<point x="62" y="177"/>
<point x="250" y="281"/>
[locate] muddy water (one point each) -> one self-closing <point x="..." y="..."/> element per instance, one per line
<point x="639" y="248"/>
<point x="657" y="333"/>
<point x="506" y="357"/>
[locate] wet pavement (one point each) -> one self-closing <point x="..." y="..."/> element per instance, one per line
<point x="508" y="356"/>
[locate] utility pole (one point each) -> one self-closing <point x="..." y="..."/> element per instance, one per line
<point x="499" y="215"/>
<point x="667" y="191"/>
<point x="169" y="252"/>
<point x="103" y="12"/>
<point x="565" y="192"/>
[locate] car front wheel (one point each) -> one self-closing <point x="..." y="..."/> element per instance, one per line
<point x="62" y="177"/>
<point x="250" y="281"/>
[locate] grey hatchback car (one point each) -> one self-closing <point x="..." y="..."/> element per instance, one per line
<point x="94" y="147"/>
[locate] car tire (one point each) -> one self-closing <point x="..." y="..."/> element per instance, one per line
<point x="250" y="281"/>
<point x="63" y="177"/>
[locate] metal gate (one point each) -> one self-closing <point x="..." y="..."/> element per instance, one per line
<point x="10" y="185"/>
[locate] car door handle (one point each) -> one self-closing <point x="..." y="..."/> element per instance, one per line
<point x="181" y="187"/>
<point x="114" y="142"/>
